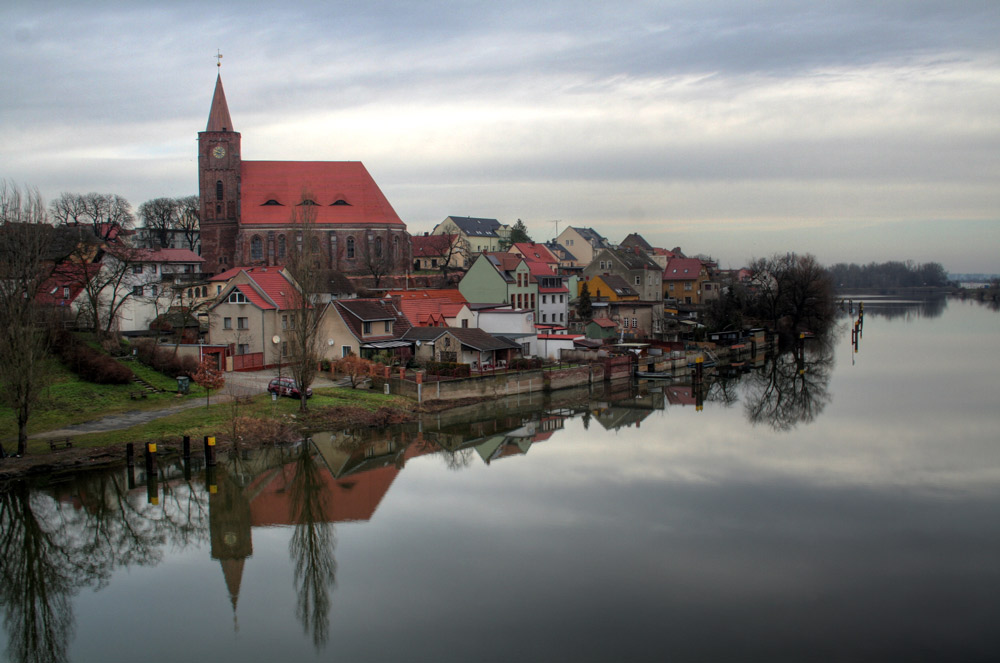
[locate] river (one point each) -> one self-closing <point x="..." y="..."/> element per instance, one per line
<point x="845" y="506"/>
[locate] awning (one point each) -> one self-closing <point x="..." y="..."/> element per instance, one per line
<point x="386" y="345"/>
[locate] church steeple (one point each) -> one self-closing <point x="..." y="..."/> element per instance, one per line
<point x="218" y="117"/>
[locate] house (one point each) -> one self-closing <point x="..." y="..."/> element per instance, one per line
<point x="432" y="308"/>
<point x="475" y="236"/>
<point x="636" y="241"/>
<point x="479" y="349"/>
<point x="568" y="264"/>
<point x="437" y="252"/>
<point x="501" y="278"/>
<point x="159" y="280"/>
<point x="550" y="346"/>
<point x="683" y="278"/>
<point x="601" y="328"/>
<point x="553" y="295"/>
<point x="637" y="320"/>
<point x="516" y="324"/>
<point x="253" y="315"/>
<point x="637" y="269"/>
<point x="365" y="327"/>
<point x="583" y="243"/>
<point x="535" y="252"/>
<point x="609" y="287"/>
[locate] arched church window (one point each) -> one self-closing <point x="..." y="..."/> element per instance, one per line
<point x="281" y="246"/>
<point x="350" y="247"/>
<point x="378" y="247"/>
<point x="218" y="190"/>
<point x="314" y="245"/>
<point x="256" y="248"/>
<point x="395" y="246"/>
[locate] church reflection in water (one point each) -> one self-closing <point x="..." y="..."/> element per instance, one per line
<point x="74" y="534"/>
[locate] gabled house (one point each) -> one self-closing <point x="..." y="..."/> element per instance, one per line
<point x="438" y="252"/>
<point x="365" y="327"/>
<point x="683" y="279"/>
<point x="475" y="235"/>
<point x="431" y="308"/>
<point x="609" y="287"/>
<point x="636" y="241"/>
<point x="480" y="349"/>
<point x="253" y="314"/>
<point x="637" y="269"/>
<point x="568" y="263"/>
<point x="583" y="243"/>
<point x="159" y="281"/>
<point x="535" y="252"/>
<point x="501" y="278"/>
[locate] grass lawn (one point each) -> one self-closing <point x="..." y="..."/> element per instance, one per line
<point x="215" y="419"/>
<point x="70" y="400"/>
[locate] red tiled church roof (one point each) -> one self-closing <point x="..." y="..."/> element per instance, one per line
<point x="324" y="182"/>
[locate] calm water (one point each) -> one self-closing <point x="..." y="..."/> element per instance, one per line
<point x="848" y="512"/>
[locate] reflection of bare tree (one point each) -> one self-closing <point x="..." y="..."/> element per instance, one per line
<point x="458" y="459"/>
<point x="792" y="388"/>
<point x="724" y="390"/>
<point x="37" y="580"/>
<point x="311" y="546"/>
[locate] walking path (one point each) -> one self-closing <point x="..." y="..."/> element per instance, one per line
<point x="237" y="385"/>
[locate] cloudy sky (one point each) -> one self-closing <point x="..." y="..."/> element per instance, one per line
<point x="856" y="131"/>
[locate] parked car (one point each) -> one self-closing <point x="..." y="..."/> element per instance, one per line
<point x="287" y="387"/>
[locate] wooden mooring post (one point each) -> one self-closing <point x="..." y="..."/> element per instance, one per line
<point x="210" y="450"/>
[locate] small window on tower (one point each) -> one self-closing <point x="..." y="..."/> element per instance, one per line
<point x="218" y="190"/>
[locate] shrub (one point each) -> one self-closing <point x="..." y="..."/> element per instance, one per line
<point x="448" y="369"/>
<point x="164" y="361"/>
<point x="90" y="364"/>
<point x="525" y="363"/>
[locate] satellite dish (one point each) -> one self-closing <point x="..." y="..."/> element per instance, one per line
<point x="418" y="342"/>
<point x="276" y="339"/>
<point x="329" y="342"/>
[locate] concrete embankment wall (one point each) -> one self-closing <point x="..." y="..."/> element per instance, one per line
<point x="512" y="383"/>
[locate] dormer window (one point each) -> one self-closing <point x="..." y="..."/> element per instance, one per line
<point x="307" y="202"/>
<point x="340" y="201"/>
<point x="237" y="297"/>
<point x="272" y="202"/>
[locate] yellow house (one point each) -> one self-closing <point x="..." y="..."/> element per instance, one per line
<point x="609" y="288"/>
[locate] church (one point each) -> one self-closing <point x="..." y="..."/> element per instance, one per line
<point x="248" y="208"/>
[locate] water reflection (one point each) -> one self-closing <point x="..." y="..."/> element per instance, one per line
<point x="791" y="389"/>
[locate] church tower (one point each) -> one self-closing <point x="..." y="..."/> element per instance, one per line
<point x="219" y="185"/>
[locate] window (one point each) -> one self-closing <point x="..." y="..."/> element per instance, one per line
<point x="395" y="246"/>
<point x="284" y="322"/>
<point x="532" y="301"/>
<point x="272" y="201"/>
<point x="388" y="326"/>
<point x="218" y="289"/>
<point x="153" y="288"/>
<point x="562" y="317"/>
<point x="340" y="201"/>
<point x="314" y="245"/>
<point x="137" y="290"/>
<point x="378" y="247"/>
<point x="687" y="286"/>
<point x="242" y="323"/>
<point x="152" y="269"/>
<point x="544" y="317"/>
<point x="345" y="351"/>
<point x="447" y="341"/>
<point x="137" y="269"/>
<point x="65" y="292"/>
<point x="638" y="280"/>
<point x="237" y="297"/>
<point x="350" y="247"/>
<point x="227" y="323"/>
<point x="218" y="190"/>
<point x="561" y="300"/>
<point x="465" y="324"/>
<point x="543" y="299"/>
<point x="635" y="323"/>
<point x="434" y="263"/>
<point x="670" y="287"/>
<point x="284" y="348"/>
<point x="243" y="349"/>
<point x="281" y="246"/>
<point x="256" y="248"/>
<point x="367" y="328"/>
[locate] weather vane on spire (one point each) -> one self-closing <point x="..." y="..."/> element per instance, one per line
<point x="218" y="57"/>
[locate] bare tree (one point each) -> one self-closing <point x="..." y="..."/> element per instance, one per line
<point x="189" y="220"/>
<point x="791" y="292"/>
<point x="107" y="213"/>
<point x="377" y="258"/>
<point x="25" y="237"/>
<point x="161" y="217"/>
<point x="121" y="276"/>
<point x="304" y="265"/>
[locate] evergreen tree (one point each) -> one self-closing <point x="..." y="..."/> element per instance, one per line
<point x="519" y="233"/>
<point x="584" y="307"/>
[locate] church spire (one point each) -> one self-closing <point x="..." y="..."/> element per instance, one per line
<point x="218" y="117"/>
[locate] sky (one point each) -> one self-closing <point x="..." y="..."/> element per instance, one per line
<point x="856" y="131"/>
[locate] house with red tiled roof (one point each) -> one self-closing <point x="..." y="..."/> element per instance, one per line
<point x="253" y="315"/>
<point x="683" y="279"/>
<point x="535" y="252"/>
<point x="432" y="308"/>
<point x="253" y="212"/>
<point x="437" y="253"/>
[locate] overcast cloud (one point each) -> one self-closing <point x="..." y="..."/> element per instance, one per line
<point x="857" y="131"/>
